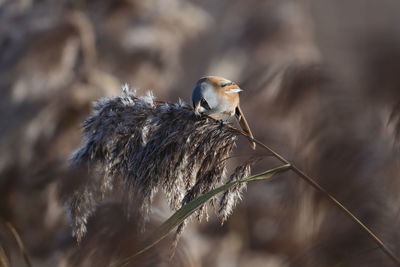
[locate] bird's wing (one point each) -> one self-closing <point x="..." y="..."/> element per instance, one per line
<point x="244" y="125"/>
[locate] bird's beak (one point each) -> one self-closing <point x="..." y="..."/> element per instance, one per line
<point x="233" y="90"/>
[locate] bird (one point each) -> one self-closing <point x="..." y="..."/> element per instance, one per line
<point x="218" y="98"/>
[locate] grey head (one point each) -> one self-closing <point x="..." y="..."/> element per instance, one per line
<point x="204" y="96"/>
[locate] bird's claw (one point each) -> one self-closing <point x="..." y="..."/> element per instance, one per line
<point x="223" y="122"/>
<point x="197" y="114"/>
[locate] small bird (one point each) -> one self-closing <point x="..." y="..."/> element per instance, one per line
<point x="218" y="98"/>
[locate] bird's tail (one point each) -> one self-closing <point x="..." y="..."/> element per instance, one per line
<point x="244" y="125"/>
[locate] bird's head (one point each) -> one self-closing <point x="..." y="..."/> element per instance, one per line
<point x="215" y="94"/>
<point x="219" y="84"/>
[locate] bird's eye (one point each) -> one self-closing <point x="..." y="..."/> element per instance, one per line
<point x="226" y="84"/>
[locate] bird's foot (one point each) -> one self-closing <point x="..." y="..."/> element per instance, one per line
<point x="197" y="114"/>
<point x="223" y="122"/>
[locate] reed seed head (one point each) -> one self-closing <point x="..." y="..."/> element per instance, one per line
<point x="143" y="146"/>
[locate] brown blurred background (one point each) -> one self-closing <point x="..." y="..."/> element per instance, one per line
<point x="322" y="87"/>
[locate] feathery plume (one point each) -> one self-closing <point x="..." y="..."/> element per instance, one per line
<point x="145" y="146"/>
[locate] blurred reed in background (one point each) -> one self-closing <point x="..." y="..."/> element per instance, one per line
<point x="321" y="87"/>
